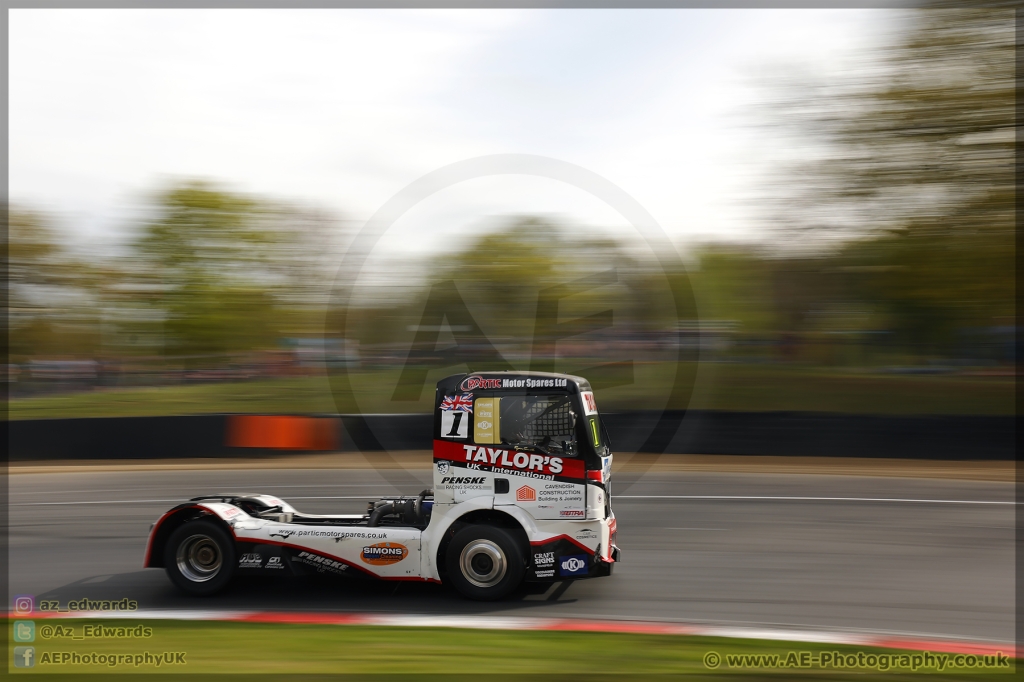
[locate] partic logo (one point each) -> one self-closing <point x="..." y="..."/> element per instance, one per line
<point x="526" y="494"/>
<point x="474" y="382"/>
<point x="443" y="466"/>
<point x="384" y="553"/>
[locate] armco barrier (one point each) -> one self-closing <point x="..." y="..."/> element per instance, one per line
<point x="701" y="432"/>
<point x="214" y="435"/>
<point x="795" y="434"/>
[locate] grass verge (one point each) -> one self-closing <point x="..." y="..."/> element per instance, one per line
<point x="275" y="651"/>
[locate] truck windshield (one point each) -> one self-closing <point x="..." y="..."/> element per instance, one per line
<point x="545" y="423"/>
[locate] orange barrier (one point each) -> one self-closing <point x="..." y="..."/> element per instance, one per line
<point x="283" y="432"/>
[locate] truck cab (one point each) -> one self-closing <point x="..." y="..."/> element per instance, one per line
<point x="521" y="474"/>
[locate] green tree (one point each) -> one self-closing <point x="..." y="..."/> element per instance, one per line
<point x="51" y="294"/>
<point x="210" y="254"/>
<point x="916" y="172"/>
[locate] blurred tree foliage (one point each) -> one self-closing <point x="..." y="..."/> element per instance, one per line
<point x="51" y="310"/>
<point x="206" y="254"/>
<point x="901" y="224"/>
<point x="231" y="273"/>
<point x="916" y="182"/>
<point x="500" y="277"/>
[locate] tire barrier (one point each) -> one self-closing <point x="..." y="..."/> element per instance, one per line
<point x="795" y="434"/>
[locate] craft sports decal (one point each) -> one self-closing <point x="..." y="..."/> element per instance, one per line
<point x="384" y="553"/>
<point x="544" y="559"/>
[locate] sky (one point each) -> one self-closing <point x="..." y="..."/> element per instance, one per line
<point x="341" y="109"/>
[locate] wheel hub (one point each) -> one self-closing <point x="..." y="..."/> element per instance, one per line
<point x="483" y="563"/>
<point x="199" y="558"/>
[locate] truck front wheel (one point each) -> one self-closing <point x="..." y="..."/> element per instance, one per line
<point x="200" y="558"/>
<point x="484" y="562"/>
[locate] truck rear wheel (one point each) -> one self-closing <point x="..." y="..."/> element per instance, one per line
<point x="200" y="558"/>
<point x="484" y="562"/>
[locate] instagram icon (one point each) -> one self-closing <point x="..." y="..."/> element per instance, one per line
<point x="24" y="603"/>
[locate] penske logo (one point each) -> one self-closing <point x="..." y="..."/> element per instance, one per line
<point x="384" y="553"/>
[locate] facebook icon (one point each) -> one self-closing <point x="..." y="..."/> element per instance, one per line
<point x="24" y="656"/>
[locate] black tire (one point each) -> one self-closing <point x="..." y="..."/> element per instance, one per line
<point x="484" y="563"/>
<point x="200" y="558"/>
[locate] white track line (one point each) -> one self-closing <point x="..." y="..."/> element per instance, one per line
<point x="696" y="529"/>
<point x="614" y="497"/>
<point x="179" y="500"/>
<point x="811" y="499"/>
<point x="238" y="487"/>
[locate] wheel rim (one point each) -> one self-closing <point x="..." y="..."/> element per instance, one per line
<point x="199" y="558"/>
<point x="483" y="563"/>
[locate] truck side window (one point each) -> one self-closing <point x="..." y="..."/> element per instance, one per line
<point x="544" y="423"/>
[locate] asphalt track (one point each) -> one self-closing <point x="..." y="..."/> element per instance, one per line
<point x="920" y="557"/>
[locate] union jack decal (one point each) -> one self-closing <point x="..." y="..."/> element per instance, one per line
<point x="458" y="403"/>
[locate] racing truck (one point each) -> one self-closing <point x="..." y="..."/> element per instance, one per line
<point x="521" y="492"/>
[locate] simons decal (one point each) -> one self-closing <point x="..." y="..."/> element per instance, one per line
<point x="384" y="553"/>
